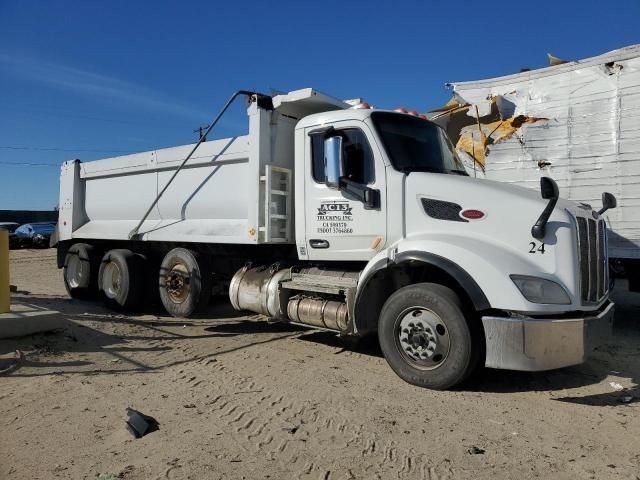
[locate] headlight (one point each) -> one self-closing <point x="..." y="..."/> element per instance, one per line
<point x="541" y="290"/>
<point x="37" y="236"/>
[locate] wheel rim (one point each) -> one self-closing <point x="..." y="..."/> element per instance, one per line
<point x="111" y="280"/>
<point x="178" y="284"/>
<point x="75" y="271"/>
<point x="422" y="338"/>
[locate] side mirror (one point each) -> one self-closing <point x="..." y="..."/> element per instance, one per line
<point x="333" y="161"/>
<point x="549" y="191"/>
<point x="608" y="201"/>
<point x="548" y="188"/>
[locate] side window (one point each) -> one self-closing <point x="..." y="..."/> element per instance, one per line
<point x="357" y="157"/>
<point x="317" y="158"/>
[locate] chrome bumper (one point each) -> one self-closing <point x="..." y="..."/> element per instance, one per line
<point x="530" y="344"/>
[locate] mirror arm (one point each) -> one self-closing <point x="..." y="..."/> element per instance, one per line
<point x="539" y="229"/>
<point x="608" y="201"/>
<point x="369" y="196"/>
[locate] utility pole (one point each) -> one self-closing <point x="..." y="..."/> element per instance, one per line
<point x="200" y="131"/>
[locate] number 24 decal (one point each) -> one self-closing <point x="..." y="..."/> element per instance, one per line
<point x="535" y="248"/>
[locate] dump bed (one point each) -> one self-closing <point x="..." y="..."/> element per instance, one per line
<point x="236" y="190"/>
<point x="578" y="123"/>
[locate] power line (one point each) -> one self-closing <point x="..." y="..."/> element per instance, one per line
<point x="32" y="111"/>
<point x="56" y="149"/>
<point x="73" y="116"/>
<point x="200" y="131"/>
<point x="27" y="164"/>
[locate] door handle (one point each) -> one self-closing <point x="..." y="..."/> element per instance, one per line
<point x="316" y="243"/>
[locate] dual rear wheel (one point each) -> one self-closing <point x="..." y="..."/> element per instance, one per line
<point x="80" y="271"/>
<point x="122" y="278"/>
<point x="425" y="334"/>
<point x="184" y="282"/>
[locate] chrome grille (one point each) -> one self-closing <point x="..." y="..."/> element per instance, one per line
<point x="593" y="259"/>
<point x="603" y="268"/>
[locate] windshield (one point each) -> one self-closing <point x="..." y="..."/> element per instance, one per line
<point x="414" y="144"/>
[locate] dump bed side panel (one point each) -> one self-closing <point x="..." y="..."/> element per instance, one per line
<point x="236" y="190"/>
<point x="207" y="202"/>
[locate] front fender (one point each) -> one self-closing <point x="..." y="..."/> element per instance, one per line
<point x="382" y="261"/>
<point x="477" y="264"/>
<point x="490" y="264"/>
<point x="369" y="299"/>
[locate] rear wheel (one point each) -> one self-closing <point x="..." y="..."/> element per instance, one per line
<point x="121" y="279"/>
<point x="80" y="271"/>
<point x="425" y="337"/>
<point x="184" y="282"/>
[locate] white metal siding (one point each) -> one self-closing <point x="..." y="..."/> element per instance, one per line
<point x="591" y="137"/>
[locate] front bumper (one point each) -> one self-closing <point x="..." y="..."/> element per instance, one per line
<point x="530" y="344"/>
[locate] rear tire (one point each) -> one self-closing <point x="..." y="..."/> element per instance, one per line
<point x="184" y="282"/>
<point x="121" y="279"/>
<point x="80" y="271"/>
<point x="425" y="337"/>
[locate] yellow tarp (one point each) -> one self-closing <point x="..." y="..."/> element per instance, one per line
<point x="473" y="135"/>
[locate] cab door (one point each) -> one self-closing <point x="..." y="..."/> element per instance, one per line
<point x="338" y="226"/>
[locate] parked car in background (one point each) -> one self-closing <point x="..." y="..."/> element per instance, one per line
<point x="11" y="227"/>
<point x="34" y="234"/>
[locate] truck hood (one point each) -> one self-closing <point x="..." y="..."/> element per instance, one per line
<point x="501" y="202"/>
<point x="500" y="243"/>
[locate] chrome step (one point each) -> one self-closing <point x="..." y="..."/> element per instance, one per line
<point x="321" y="283"/>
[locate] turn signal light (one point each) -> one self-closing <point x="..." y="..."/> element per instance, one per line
<point x="472" y="214"/>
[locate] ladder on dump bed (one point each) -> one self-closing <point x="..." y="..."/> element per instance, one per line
<point x="276" y="182"/>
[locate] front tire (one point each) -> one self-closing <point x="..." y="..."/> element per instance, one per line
<point x="184" y="282"/>
<point x="425" y="337"/>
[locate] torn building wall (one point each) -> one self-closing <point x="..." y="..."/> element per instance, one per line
<point x="577" y="122"/>
<point x="472" y="128"/>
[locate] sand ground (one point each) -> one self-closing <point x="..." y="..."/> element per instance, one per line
<point x="236" y="397"/>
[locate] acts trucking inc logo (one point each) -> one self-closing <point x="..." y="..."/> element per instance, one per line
<point x="334" y="217"/>
<point x="335" y="211"/>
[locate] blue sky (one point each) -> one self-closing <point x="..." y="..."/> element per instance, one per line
<point x="89" y="79"/>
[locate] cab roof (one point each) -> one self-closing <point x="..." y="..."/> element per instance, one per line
<point x="342" y="115"/>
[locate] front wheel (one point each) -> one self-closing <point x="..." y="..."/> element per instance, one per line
<point x="425" y="337"/>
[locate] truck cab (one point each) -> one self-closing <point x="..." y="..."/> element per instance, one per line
<point x="361" y="221"/>
<point x="388" y="188"/>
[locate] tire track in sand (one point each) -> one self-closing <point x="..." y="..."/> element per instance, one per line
<point x="300" y="434"/>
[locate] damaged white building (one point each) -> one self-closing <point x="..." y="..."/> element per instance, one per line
<point x="577" y="122"/>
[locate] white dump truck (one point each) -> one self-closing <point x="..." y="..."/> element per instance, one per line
<point x="338" y="216"/>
